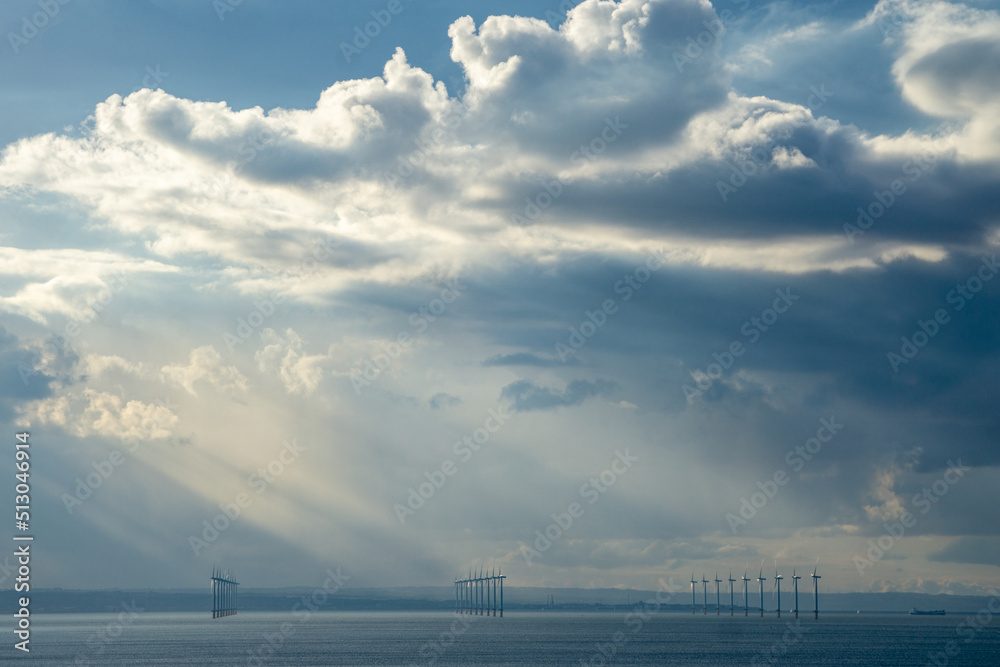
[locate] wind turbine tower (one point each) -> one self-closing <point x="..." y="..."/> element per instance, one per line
<point x="746" y="597"/>
<point x="704" y="592"/>
<point x="732" y="607"/>
<point x="694" y="603"/>
<point x="795" y="581"/>
<point x="816" y="579"/>
<point x="501" y="576"/>
<point x="761" y="579"/>
<point x="718" y="605"/>
<point x="777" y="585"/>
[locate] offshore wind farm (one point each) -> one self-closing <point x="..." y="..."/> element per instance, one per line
<point x="480" y="592"/>
<point x="473" y="594"/>
<point x="225" y="593"/>
<point x="775" y="593"/>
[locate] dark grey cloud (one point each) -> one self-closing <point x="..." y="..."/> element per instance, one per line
<point x="20" y="379"/>
<point x="944" y="201"/>
<point x="962" y="71"/>
<point x="442" y="400"/>
<point x="525" y="395"/>
<point x="970" y="550"/>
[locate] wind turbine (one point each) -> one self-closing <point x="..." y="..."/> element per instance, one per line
<point x="816" y="579"/>
<point x="731" y="606"/>
<point x="694" y="603"/>
<point x="704" y="588"/>
<point x="795" y="580"/>
<point x="718" y="606"/>
<point x="777" y="585"/>
<point x="746" y="598"/>
<point x="760" y="580"/>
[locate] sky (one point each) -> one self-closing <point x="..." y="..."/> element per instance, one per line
<point x="597" y="293"/>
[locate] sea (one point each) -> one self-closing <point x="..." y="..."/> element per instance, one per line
<point x="639" y="636"/>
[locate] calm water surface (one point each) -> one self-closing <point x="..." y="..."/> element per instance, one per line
<point x="520" y="638"/>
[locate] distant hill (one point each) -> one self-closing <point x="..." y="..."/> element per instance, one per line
<point x="441" y="598"/>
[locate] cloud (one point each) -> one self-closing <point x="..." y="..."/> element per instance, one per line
<point x="300" y="373"/>
<point x="949" y="56"/>
<point x="540" y="87"/>
<point x="75" y="284"/>
<point x="970" y="550"/>
<point x="92" y="412"/>
<point x="889" y="505"/>
<point x="443" y="400"/>
<point x="201" y="178"/>
<point x="20" y="378"/>
<point x="525" y="395"/>
<point x="99" y="364"/>
<point x="205" y="366"/>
